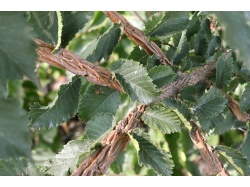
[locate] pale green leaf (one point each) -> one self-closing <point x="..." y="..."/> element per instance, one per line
<point x="138" y="55"/>
<point x="224" y="70"/>
<point x="161" y="118"/>
<point x="15" y="136"/>
<point x="236" y="31"/>
<point x="167" y="23"/>
<point x="151" y="156"/>
<point x="64" y="107"/>
<point x="236" y="158"/>
<point x="245" y="99"/>
<point x="162" y="75"/>
<point x="17" y="49"/>
<point x="135" y="81"/>
<point x="211" y="104"/>
<point x="99" y="125"/>
<point x="98" y="99"/>
<point x="214" y="44"/>
<point x="65" y="162"/>
<point x="103" y="46"/>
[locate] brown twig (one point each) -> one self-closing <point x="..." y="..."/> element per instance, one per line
<point x="137" y="36"/>
<point x="207" y="152"/>
<point x="112" y="145"/>
<point x="65" y="59"/>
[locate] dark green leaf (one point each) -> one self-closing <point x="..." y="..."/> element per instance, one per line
<point x="167" y="23"/>
<point x="151" y="156"/>
<point x="98" y="99"/>
<point x="193" y="27"/>
<point x="46" y="25"/>
<point x="224" y="70"/>
<point x="192" y="93"/>
<point x="17" y="49"/>
<point x="236" y="30"/>
<point x="205" y="29"/>
<point x="135" y="81"/>
<point x="65" y="162"/>
<point x="234" y="157"/>
<point x="245" y="99"/>
<point x="99" y="125"/>
<point x="64" y="107"/>
<point x="214" y="45"/>
<point x="139" y="55"/>
<point x="210" y="104"/>
<point x="103" y="46"/>
<point x="182" y="48"/>
<point x="72" y="23"/>
<point x="162" y="75"/>
<point x="161" y="118"/>
<point x="190" y="62"/>
<point x="209" y="124"/>
<point x="181" y="107"/>
<point x="15" y="137"/>
<point x="201" y="45"/>
<point x="245" y="148"/>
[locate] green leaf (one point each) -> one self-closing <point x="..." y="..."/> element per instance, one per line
<point x="138" y="55"/>
<point x="65" y="162"/>
<point x="98" y="99"/>
<point x="224" y="70"/>
<point x="99" y="125"/>
<point x="161" y="118"/>
<point x="245" y="98"/>
<point x="236" y="30"/>
<point x="63" y="108"/>
<point x="181" y="107"/>
<point x="151" y="156"/>
<point x="162" y="75"/>
<point x="17" y="49"/>
<point x="45" y="25"/>
<point x="211" y="104"/>
<point x="73" y="22"/>
<point x="182" y="48"/>
<point x="15" y="137"/>
<point x="193" y="27"/>
<point x="234" y="157"/>
<point x="209" y="124"/>
<point x="167" y="23"/>
<point x="103" y="46"/>
<point x="201" y="45"/>
<point x="192" y="93"/>
<point x="245" y="147"/>
<point x="135" y="81"/>
<point x="17" y="167"/>
<point x="205" y="29"/>
<point x="214" y="45"/>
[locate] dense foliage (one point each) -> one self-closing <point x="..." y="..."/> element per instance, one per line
<point x="171" y="97"/>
